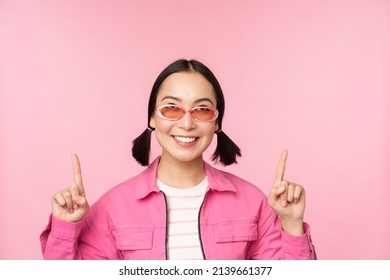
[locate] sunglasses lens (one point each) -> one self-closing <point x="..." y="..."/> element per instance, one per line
<point x="172" y="112"/>
<point x="204" y="114"/>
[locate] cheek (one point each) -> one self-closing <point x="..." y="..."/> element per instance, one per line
<point x="162" y="126"/>
<point x="162" y="135"/>
<point x="209" y="129"/>
<point x="213" y="127"/>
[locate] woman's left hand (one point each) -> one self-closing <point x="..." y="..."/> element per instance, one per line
<point x="288" y="200"/>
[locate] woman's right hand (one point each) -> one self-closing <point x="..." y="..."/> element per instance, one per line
<point x="70" y="204"/>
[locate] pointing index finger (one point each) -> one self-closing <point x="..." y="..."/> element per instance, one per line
<point x="77" y="174"/>
<point x="281" y="168"/>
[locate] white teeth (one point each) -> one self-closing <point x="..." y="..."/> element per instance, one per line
<point x="185" y="139"/>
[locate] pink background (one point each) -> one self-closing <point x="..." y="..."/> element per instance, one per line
<point x="310" y="76"/>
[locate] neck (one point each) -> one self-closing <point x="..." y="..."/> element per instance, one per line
<point x="179" y="174"/>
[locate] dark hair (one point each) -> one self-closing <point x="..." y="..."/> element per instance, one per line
<point x="226" y="150"/>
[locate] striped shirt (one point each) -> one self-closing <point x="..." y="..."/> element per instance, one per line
<point x="183" y="211"/>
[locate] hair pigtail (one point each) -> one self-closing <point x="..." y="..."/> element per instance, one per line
<point x="226" y="151"/>
<point x="141" y="147"/>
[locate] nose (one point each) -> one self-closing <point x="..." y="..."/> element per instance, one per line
<point x="187" y="122"/>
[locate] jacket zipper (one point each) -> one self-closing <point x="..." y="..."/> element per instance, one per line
<point x="200" y="235"/>
<point x="166" y="225"/>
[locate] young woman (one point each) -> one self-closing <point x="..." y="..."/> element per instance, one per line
<point x="180" y="207"/>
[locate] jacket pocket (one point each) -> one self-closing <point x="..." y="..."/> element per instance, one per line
<point x="235" y="231"/>
<point x="133" y="238"/>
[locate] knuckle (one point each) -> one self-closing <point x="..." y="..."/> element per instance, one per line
<point x="272" y="192"/>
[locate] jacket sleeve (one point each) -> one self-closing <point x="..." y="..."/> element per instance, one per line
<point x="272" y="243"/>
<point x="88" y="239"/>
<point x="59" y="240"/>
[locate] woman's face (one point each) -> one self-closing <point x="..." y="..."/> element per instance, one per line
<point x="185" y="139"/>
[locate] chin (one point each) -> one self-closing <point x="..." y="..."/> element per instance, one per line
<point x="186" y="158"/>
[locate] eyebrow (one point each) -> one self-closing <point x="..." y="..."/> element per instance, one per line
<point x="196" y="101"/>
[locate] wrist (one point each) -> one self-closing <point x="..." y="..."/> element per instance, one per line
<point x="293" y="226"/>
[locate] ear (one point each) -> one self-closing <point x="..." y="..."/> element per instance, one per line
<point x="216" y="126"/>
<point x="152" y="122"/>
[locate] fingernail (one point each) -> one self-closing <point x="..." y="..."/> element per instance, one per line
<point x="284" y="203"/>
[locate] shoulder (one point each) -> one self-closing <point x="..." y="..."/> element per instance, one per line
<point x="124" y="189"/>
<point x="243" y="185"/>
<point x="136" y="187"/>
<point x="230" y="181"/>
<point x="237" y="196"/>
<point x="114" y="206"/>
<point x="119" y="200"/>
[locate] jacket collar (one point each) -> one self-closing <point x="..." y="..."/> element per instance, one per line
<point x="147" y="180"/>
<point x="217" y="179"/>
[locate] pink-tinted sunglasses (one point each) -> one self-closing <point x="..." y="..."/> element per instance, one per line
<point x="173" y="112"/>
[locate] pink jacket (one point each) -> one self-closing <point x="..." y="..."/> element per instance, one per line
<point x="129" y="222"/>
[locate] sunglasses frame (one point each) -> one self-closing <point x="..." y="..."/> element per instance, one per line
<point x="159" y="108"/>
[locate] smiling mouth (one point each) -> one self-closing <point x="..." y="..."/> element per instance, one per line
<point x="185" y="139"/>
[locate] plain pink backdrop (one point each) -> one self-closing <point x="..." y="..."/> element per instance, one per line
<point x="310" y="76"/>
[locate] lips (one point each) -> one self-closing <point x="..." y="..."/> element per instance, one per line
<point x="184" y="139"/>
